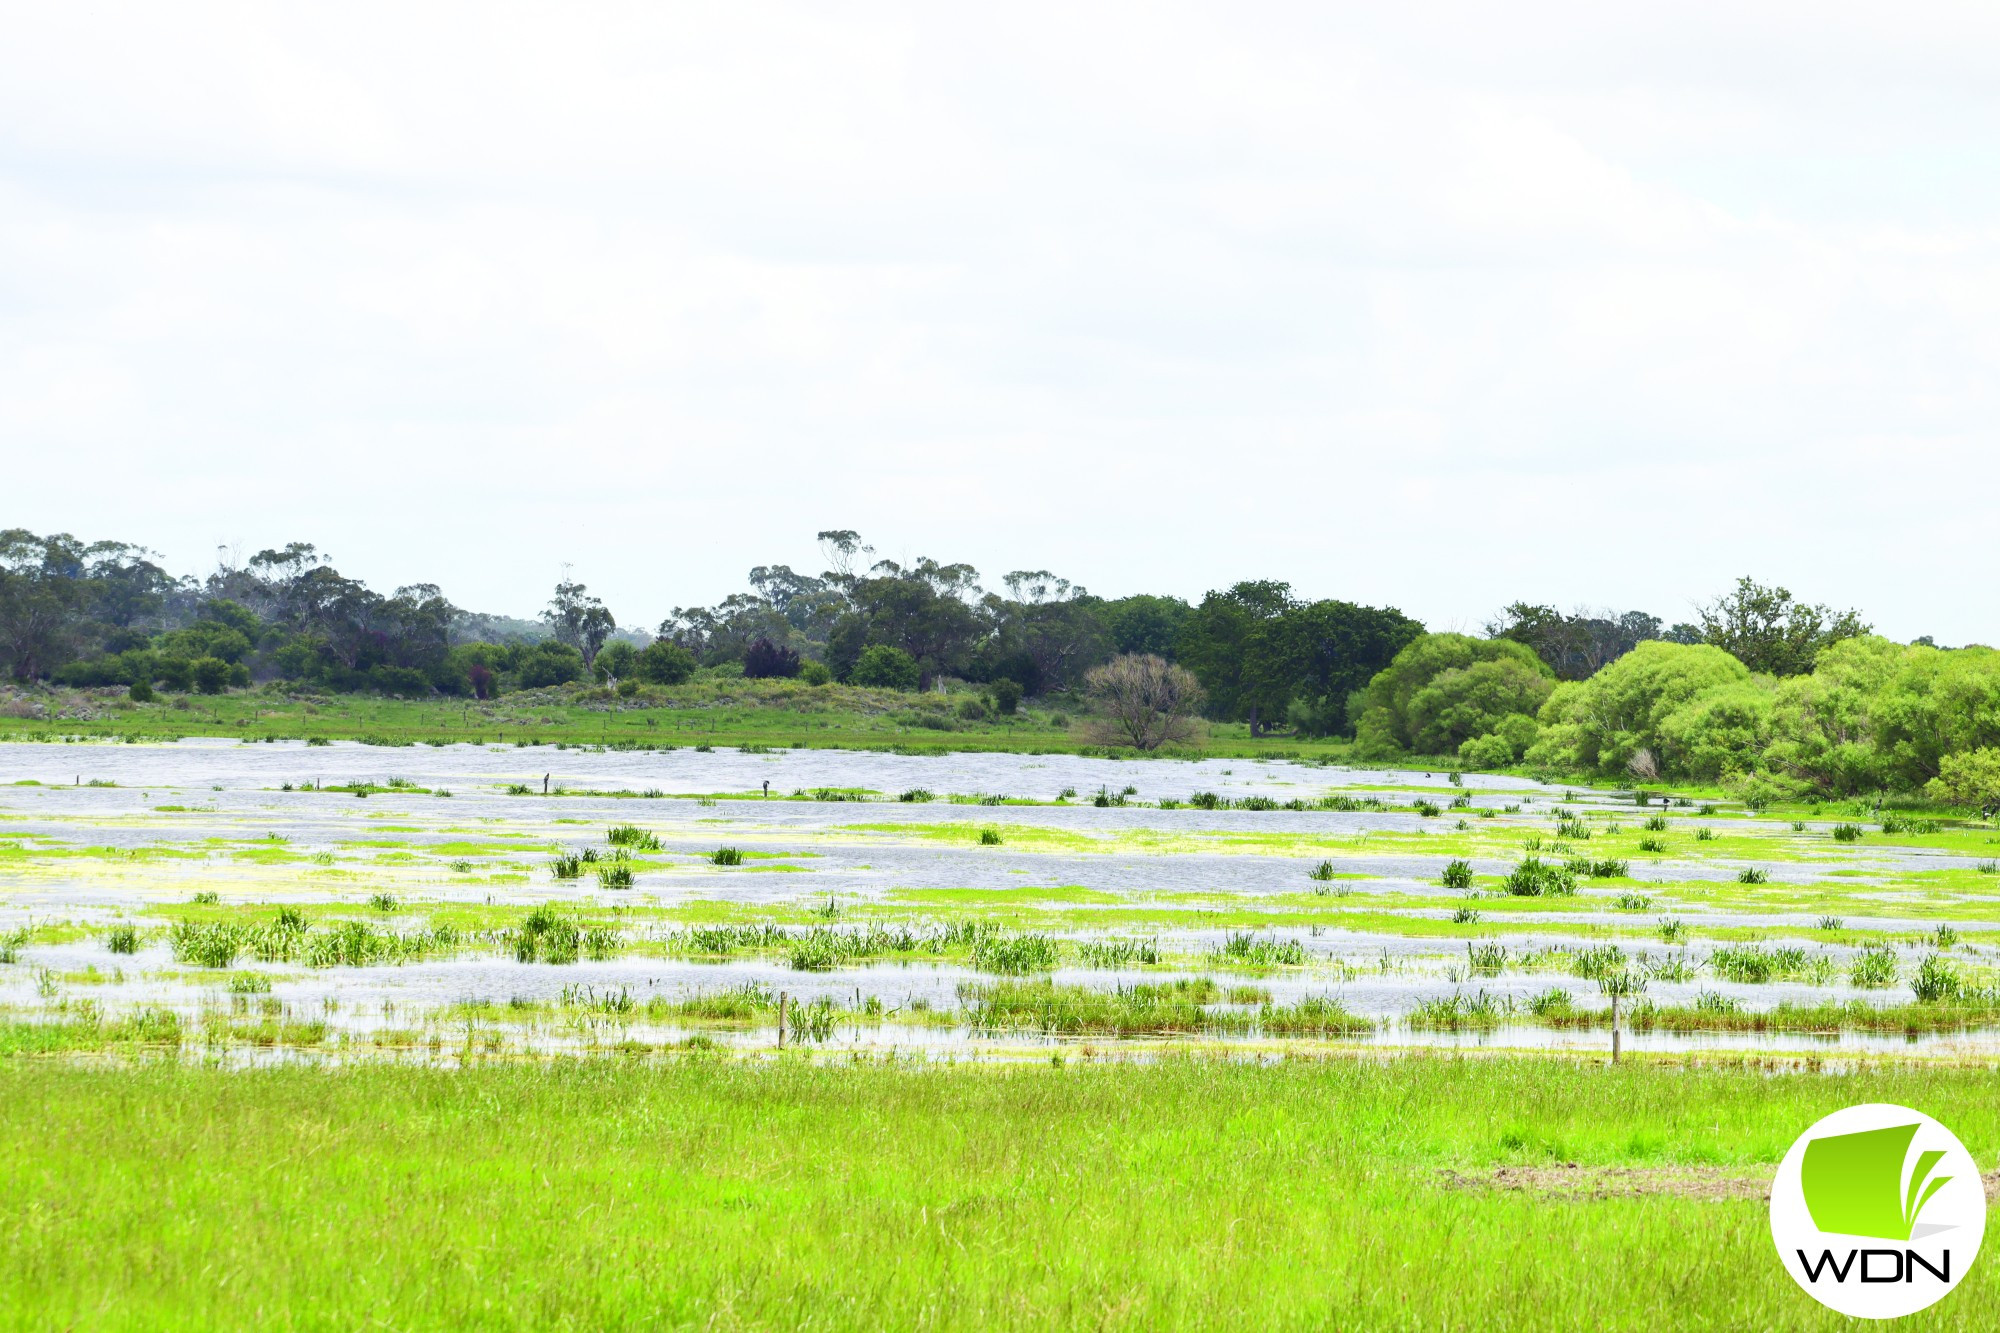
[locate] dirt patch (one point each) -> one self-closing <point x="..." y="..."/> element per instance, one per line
<point x="1572" y="1180"/>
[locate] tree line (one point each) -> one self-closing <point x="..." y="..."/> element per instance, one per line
<point x="1759" y="687"/>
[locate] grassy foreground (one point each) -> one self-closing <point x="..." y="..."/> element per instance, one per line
<point x="704" y="1192"/>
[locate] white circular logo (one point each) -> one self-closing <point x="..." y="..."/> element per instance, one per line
<point x="1877" y="1211"/>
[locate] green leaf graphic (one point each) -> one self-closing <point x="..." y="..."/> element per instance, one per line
<point x="1854" y="1183"/>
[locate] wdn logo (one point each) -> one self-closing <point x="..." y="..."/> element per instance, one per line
<point x="1869" y="1175"/>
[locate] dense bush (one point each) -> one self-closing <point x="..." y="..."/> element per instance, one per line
<point x="883" y="667"/>
<point x="615" y="662"/>
<point x="1619" y="719"/>
<point x="210" y="675"/>
<point x="664" y="663"/>
<point x="765" y="659"/>
<point x="1445" y="689"/>
<point x="548" y="663"/>
<point x="816" y="673"/>
<point x="1007" y="695"/>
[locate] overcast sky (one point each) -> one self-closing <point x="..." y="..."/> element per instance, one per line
<point x="1438" y="306"/>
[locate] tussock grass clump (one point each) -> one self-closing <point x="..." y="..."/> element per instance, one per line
<point x="917" y="796"/>
<point x="1456" y="875"/>
<point x="726" y="856"/>
<point x="1553" y="1002"/>
<point x="1458" y="1011"/>
<point x="382" y="902"/>
<point x="1351" y="804"/>
<point x="1673" y="930"/>
<point x="1653" y="845"/>
<point x="567" y="866"/>
<point x="818" y="950"/>
<point x="358" y="944"/>
<point x="632" y="837"/>
<point x="1753" y="875"/>
<point x="1207" y="800"/>
<point x="1704" y="835"/>
<point x="1894" y="824"/>
<point x="1634" y="902"/>
<point x="989" y="837"/>
<point x="1752" y="964"/>
<point x="1830" y="923"/>
<point x="212" y="944"/>
<point x="745" y="1003"/>
<point x="122" y="938"/>
<point x="1244" y="947"/>
<point x="1314" y="1016"/>
<point x="1937" y="982"/>
<point x="1118" y="953"/>
<point x="615" y="875"/>
<point x="1044" y="1006"/>
<point x="1427" y="809"/>
<point x="1465" y="916"/>
<point x="548" y="935"/>
<point x="1655" y="824"/>
<point x="1322" y="872"/>
<point x="1847" y="833"/>
<point x="1015" y="955"/>
<point x="1874" y="968"/>
<point x="1536" y="878"/>
<point x="1486" y="960"/>
<point x="1596" y="962"/>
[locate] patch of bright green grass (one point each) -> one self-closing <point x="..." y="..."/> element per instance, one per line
<point x="1184" y="1194"/>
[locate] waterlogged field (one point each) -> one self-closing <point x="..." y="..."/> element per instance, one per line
<point x="278" y="901"/>
<point x="302" y="1036"/>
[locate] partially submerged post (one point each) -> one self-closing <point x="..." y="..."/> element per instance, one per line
<point x="1617" y="985"/>
<point x="781" y="1020"/>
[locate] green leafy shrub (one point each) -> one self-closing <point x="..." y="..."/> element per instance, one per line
<point x="882" y="666"/>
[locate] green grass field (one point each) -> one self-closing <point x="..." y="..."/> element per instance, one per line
<point x="756" y="712"/>
<point x="709" y="1193"/>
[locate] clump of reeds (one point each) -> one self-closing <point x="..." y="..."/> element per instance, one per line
<point x="1874" y="967"/>
<point x="1016" y="955"/>
<point x="1244" y="947"/>
<point x="1536" y="878"/>
<point x="633" y="837"/>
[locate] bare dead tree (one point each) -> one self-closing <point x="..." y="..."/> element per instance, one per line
<point x="1145" y="702"/>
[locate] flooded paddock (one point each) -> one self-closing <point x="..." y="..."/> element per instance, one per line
<point x="284" y="900"/>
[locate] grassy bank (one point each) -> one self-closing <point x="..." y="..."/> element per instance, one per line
<point x="777" y="713"/>
<point x="612" y="1195"/>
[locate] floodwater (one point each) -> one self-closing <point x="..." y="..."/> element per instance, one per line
<point x="168" y="821"/>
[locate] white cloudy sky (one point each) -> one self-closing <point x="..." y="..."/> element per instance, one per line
<point x="1434" y="305"/>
